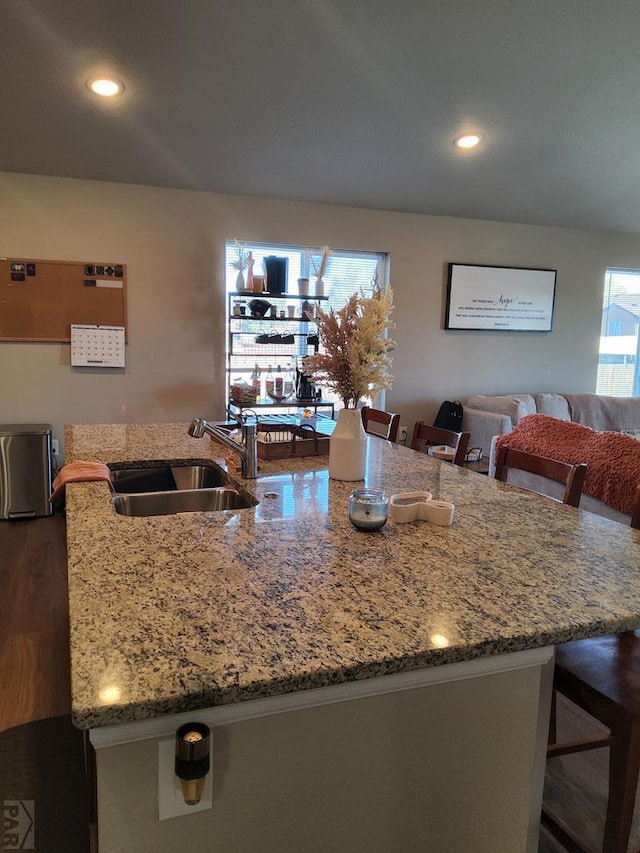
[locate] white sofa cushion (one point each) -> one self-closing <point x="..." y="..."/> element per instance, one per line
<point x="609" y="414"/>
<point x="634" y="433"/>
<point x="514" y="407"/>
<point x="529" y="402"/>
<point x="554" y="405"/>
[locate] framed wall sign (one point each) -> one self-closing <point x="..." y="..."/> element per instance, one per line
<point x="509" y="299"/>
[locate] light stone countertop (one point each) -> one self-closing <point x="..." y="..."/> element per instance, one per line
<point x="178" y="613"/>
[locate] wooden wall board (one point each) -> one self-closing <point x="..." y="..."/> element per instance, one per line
<point x="41" y="299"/>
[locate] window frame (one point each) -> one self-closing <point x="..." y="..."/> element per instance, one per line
<point x="303" y="268"/>
<point x="612" y="354"/>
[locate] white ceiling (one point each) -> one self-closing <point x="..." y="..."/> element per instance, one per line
<point x="349" y="102"/>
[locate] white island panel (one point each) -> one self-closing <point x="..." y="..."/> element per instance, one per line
<point x="451" y="767"/>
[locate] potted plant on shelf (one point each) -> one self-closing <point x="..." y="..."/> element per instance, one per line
<point x="354" y="362"/>
<point x="244" y="259"/>
<point x="320" y="269"/>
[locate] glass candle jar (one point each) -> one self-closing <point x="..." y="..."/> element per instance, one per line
<point x="368" y="509"/>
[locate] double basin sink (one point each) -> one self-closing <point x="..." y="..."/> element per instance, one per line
<point x="169" y="489"/>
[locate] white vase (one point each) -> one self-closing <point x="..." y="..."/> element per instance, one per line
<point x="348" y="447"/>
<point x="319" y="287"/>
<point x="240" y="282"/>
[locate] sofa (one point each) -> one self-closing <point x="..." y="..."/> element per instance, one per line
<point x="486" y="416"/>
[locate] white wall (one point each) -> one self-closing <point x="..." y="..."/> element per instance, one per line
<point x="172" y="243"/>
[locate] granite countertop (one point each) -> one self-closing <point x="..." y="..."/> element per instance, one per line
<point x="177" y="613"/>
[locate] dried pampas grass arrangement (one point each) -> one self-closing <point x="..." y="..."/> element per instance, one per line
<point x="355" y="359"/>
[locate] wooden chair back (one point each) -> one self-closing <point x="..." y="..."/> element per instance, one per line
<point x="635" y="515"/>
<point x="386" y="419"/>
<point x="423" y="434"/>
<point x="570" y="476"/>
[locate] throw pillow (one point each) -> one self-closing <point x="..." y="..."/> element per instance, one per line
<point x="554" y="405"/>
<point x="527" y="401"/>
<point x="514" y="409"/>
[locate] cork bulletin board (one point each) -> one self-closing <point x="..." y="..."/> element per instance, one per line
<point x="41" y="299"/>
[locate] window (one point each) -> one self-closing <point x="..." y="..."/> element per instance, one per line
<point x="619" y="334"/>
<point x="347" y="272"/>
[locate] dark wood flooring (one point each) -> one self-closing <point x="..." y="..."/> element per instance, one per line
<point x="576" y="785"/>
<point x="35" y="673"/>
<point x="34" y="621"/>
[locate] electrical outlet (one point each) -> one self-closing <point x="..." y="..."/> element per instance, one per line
<point x="402" y="435"/>
<point x="55" y="446"/>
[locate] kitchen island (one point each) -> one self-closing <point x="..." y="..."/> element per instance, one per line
<point x="366" y="691"/>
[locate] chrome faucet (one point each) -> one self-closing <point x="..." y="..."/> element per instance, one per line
<point x="247" y="451"/>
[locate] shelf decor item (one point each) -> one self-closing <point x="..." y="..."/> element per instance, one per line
<point x="259" y="308"/>
<point x="276" y="270"/>
<point x="249" y="281"/>
<point x="354" y="362"/>
<point x="240" y="392"/>
<point x="240" y="264"/>
<point x="320" y="269"/>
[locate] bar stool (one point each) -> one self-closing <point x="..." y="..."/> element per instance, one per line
<point x="570" y="476"/>
<point x="601" y="675"/>
<point x="386" y="419"/>
<point x="423" y="434"/>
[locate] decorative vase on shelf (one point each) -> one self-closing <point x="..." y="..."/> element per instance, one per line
<point x="348" y="447"/>
<point x="240" y="282"/>
<point x="319" y="287"/>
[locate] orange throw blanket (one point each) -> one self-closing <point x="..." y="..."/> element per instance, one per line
<point x="613" y="459"/>
<point x="78" y="472"/>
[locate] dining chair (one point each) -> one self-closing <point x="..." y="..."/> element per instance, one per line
<point x="570" y="476"/>
<point x="601" y="675"/>
<point x="635" y="515"/>
<point x="425" y="435"/>
<point x="386" y="419"/>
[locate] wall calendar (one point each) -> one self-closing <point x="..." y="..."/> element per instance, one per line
<point x="97" y="346"/>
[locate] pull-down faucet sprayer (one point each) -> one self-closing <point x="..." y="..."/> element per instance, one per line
<point x="247" y="451"/>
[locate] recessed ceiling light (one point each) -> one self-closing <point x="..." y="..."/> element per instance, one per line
<point x="469" y="140"/>
<point x="106" y="87"/>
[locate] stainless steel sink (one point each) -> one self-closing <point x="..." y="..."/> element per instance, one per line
<point x="188" y="500"/>
<point x="167" y="478"/>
